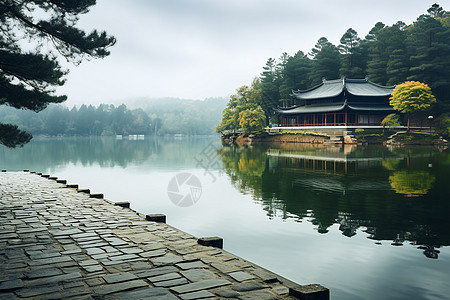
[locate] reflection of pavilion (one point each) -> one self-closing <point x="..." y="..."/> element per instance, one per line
<point x="327" y="162"/>
<point x="350" y="188"/>
<point x="345" y="186"/>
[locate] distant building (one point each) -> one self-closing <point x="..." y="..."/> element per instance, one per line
<point x="341" y="102"/>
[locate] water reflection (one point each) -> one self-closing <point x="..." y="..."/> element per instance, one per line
<point x="411" y="184"/>
<point x="107" y="152"/>
<point x="399" y="194"/>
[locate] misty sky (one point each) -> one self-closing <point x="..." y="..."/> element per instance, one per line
<point x="208" y="48"/>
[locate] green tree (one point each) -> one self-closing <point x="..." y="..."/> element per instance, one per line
<point x="397" y="67"/>
<point x="28" y="77"/>
<point x="352" y="63"/>
<point x="365" y="46"/>
<point x="391" y="120"/>
<point x="85" y="120"/>
<point x="373" y="33"/>
<point x="11" y="136"/>
<point x="411" y="96"/>
<point x="280" y="78"/>
<point x="349" y="41"/>
<point x="435" y="11"/>
<point x="56" y="118"/>
<point x="252" y="119"/>
<point x="270" y="85"/>
<point x="443" y="125"/>
<point x="120" y="120"/>
<point x="141" y="121"/>
<point x="295" y="75"/>
<point x="445" y="21"/>
<point x="383" y="54"/>
<point x="326" y="61"/>
<point x="429" y="48"/>
<point x="243" y="105"/>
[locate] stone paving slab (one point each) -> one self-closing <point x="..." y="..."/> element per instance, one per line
<point x="58" y="242"/>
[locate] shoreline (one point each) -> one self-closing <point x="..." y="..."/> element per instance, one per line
<point x="390" y="138"/>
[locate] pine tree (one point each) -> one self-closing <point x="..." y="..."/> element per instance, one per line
<point x="326" y="61"/>
<point x="397" y="67"/>
<point x="429" y="47"/>
<point x="367" y="46"/>
<point x="353" y="64"/>
<point x="435" y="11"/>
<point x="280" y="75"/>
<point x="270" y="85"/>
<point x="295" y="75"/>
<point x="28" y="77"/>
<point x="388" y="39"/>
<point x="373" y="33"/>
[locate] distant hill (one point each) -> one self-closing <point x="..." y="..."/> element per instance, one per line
<point x="138" y="116"/>
<point x="184" y="116"/>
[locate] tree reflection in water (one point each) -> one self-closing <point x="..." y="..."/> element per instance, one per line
<point x="411" y="184"/>
<point x="390" y="194"/>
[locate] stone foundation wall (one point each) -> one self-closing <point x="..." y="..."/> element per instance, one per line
<point x="291" y="138"/>
<point x="243" y="141"/>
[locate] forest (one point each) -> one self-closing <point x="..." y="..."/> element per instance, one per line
<point x="153" y="117"/>
<point x="389" y="55"/>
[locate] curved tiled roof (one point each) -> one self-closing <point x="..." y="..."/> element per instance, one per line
<point x="313" y="109"/>
<point x="327" y="89"/>
<point x="363" y="87"/>
<point x="371" y="107"/>
<point x="333" y="108"/>
<point x="333" y="88"/>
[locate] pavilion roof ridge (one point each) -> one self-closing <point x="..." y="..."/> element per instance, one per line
<point x="339" y="80"/>
<point x="324" y="81"/>
<point x="383" y="86"/>
<point x="307" y="90"/>
<point x="332" y="88"/>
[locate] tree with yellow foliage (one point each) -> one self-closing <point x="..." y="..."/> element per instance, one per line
<point x="243" y="112"/>
<point x="252" y="119"/>
<point x="411" y="96"/>
<point x="412" y="183"/>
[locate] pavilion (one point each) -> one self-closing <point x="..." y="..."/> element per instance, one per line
<point x="341" y="102"/>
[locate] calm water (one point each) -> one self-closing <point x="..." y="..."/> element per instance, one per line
<point x="368" y="223"/>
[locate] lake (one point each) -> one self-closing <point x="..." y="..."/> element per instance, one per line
<point x="367" y="222"/>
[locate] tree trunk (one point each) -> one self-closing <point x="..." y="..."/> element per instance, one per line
<point x="408" y="121"/>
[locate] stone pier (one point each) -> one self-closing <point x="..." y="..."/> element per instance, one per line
<point x="58" y="242"/>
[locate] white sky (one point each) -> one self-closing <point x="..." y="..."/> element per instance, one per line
<point x="208" y="48"/>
